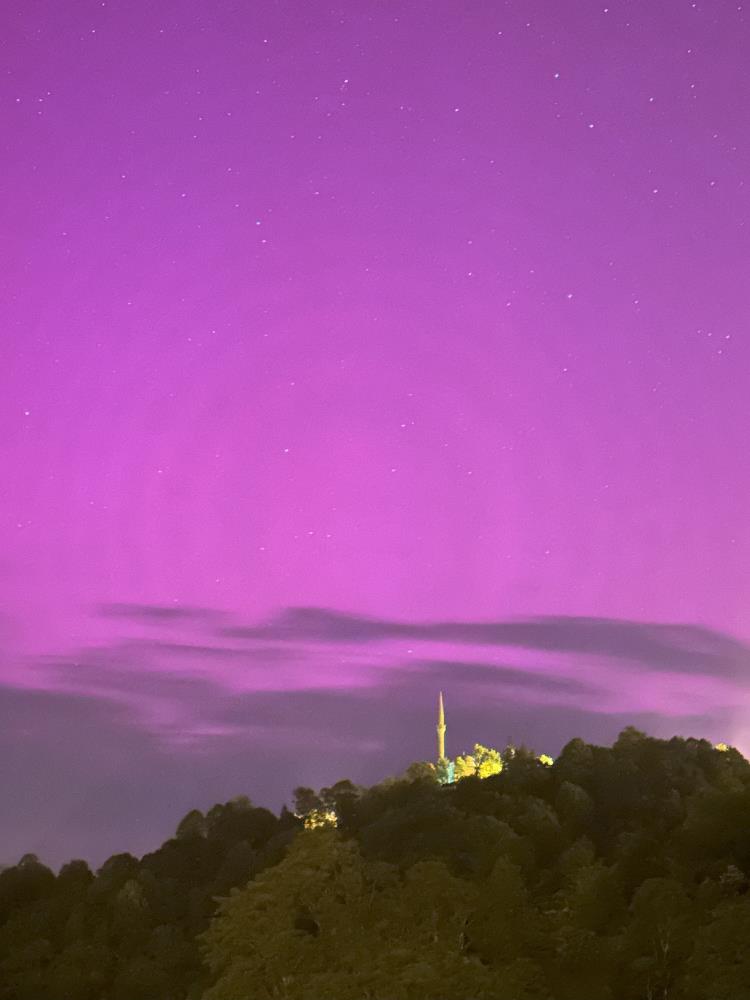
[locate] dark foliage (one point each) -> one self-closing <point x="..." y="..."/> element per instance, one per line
<point x="128" y="932"/>
<point x="615" y="874"/>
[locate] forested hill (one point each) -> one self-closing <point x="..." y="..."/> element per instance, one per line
<point x="614" y="873"/>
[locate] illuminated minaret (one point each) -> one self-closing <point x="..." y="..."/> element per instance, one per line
<point x="441" y="729"/>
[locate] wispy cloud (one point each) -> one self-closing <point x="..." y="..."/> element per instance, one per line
<point x="159" y="614"/>
<point x="686" y="647"/>
<point x="178" y="683"/>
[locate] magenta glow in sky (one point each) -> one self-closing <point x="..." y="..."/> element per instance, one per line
<point x="427" y="312"/>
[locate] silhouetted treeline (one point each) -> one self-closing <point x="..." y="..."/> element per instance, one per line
<point x="616" y="873"/>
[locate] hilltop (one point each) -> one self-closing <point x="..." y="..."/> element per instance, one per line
<point x="612" y="873"/>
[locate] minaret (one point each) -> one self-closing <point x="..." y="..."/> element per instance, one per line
<point x="441" y="729"/>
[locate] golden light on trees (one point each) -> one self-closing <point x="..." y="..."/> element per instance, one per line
<point x="319" y="818"/>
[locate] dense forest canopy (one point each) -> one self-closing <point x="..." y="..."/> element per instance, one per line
<point x="612" y="873"/>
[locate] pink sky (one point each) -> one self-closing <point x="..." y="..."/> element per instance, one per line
<point x="414" y="311"/>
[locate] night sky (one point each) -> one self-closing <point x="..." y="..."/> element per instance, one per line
<point x="351" y="352"/>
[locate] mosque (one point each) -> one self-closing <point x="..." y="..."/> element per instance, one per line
<point x="481" y="761"/>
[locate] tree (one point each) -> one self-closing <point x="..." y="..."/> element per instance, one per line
<point x="659" y="936"/>
<point x="445" y="771"/>
<point x="720" y="964"/>
<point x="465" y="767"/>
<point x="487" y="761"/>
<point x="28" y="880"/>
<point x="326" y="923"/>
<point x="192" y="825"/>
<point x="82" y="971"/>
<point x="306" y="800"/>
<point x="575" y="807"/>
<point x="140" y="979"/>
<point x="506" y="931"/>
<point x="421" y="770"/>
<point x="482" y="762"/>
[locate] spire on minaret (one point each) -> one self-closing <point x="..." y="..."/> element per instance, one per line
<point x="441" y="728"/>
